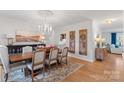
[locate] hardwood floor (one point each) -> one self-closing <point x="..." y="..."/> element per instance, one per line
<point x="111" y="69"/>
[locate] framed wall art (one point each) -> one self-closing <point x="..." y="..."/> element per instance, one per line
<point x="83" y="42"/>
<point x="72" y="41"/>
<point x="27" y="37"/>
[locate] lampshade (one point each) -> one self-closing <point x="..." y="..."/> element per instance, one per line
<point x="43" y="37"/>
<point x="9" y="36"/>
<point x="98" y="38"/>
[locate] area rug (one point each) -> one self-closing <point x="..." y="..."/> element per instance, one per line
<point x="56" y="74"/>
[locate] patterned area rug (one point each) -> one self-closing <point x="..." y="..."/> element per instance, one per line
<point x="56" y="74"/>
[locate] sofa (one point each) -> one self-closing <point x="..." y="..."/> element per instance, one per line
<point x="116" y="50"/>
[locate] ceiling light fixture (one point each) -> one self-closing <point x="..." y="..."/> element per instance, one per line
<point x="44" y="27"/>
<point x="108" y="21"/>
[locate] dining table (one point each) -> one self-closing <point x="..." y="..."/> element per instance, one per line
<point x="20" y="57"/>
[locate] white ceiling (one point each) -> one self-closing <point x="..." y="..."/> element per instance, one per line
<point x="67" y="17"/>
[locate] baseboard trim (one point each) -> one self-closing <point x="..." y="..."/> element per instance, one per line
<point x="85" y="59"/>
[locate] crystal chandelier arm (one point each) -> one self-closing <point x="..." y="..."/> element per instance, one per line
<point x="44" y="27"/>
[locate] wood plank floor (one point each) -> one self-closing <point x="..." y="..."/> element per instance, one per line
<point x="109" y="70"/>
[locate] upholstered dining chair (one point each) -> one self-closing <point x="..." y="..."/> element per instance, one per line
<point x="53" y="57"/>
<point x="123" y="55"/>
<point x="4" y="60"/>
<point x="4" y="57"/>
<point x="63" y="56"/>
<point x="27" y="49"/>
<point x="38" y="63"/>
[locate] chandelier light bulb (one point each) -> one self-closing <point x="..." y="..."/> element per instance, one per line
<point x="44" y="27"/>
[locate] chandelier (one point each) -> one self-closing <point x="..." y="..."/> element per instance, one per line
<point x="44" y="27"/>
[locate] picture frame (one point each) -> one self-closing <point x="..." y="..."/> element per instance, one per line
<point x="72" y="41"/>
<point x="83" y="42"/>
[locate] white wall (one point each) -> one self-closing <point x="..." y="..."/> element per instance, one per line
<point x="90" y="42"/>
<point x="12" y="25"/>
<point x="107" y="36"/>
<point x="57" y="32"/>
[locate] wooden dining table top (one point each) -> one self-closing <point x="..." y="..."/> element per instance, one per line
<point x="20" y="57"/>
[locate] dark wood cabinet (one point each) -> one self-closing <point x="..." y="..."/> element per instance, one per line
<point x="100" y="53"/>
<point x="18" y="48"/>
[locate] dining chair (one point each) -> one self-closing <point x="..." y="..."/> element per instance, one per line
<point x="63" y="56"/>
<point x="4" y="57"/>
<point x="53" y="57"/>
<point x="4" y="60"/>
<point x="123" y="55"/>
<point x="38" y="62"/>
<point x="27" y="49"/>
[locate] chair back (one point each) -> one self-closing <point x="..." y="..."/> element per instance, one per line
<point x="65" y="52"/>
<point x="53" y="54"/>
<point x="38" y="57"/>
<point x="26" y="49"/>
<point x="123" y="56"/>
<point x="4" y="58"/>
